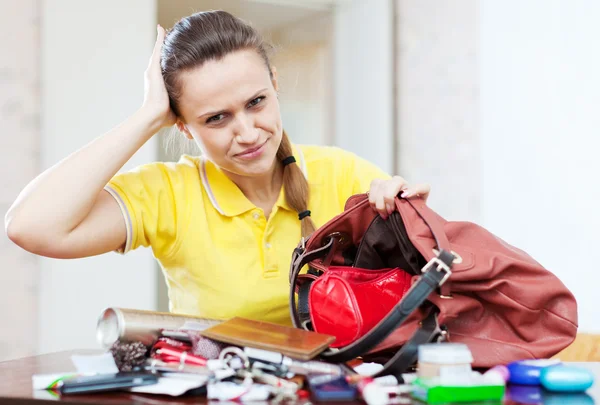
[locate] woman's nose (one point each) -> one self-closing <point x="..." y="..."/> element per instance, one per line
<point x="246" y="132"/>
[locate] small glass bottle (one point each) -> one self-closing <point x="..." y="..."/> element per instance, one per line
<point x="444" y="361"/>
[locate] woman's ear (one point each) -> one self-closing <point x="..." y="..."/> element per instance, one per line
<point x="274" y="78"/>
<point x="182" y="128"/>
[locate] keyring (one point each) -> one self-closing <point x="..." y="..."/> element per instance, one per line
<point x="234" y="351"/>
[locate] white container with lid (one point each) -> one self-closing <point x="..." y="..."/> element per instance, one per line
<point x="447" y="361"/>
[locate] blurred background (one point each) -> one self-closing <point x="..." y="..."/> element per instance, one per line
<point x="494" y="103"/>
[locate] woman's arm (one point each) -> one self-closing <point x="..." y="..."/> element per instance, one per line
<point x="64" y="212"/>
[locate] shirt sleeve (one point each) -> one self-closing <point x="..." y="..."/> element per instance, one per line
<point x="145" y="196"/>
<point x="364" y="172"/>
<point x="355" y="174"/>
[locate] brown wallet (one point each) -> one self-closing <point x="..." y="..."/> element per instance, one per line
<point x="292" y="342"/>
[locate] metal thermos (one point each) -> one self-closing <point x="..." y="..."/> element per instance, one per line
<point x="132" y="325"/>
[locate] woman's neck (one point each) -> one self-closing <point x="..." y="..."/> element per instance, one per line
<point x="263" y="191"/>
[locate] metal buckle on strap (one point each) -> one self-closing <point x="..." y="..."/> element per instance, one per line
<point x="307" y="325"/>
<point x="444" y="336"/>
<point x="338" y="240"/>
<point x="440" y="266"/>
<point x="457" y="258"/>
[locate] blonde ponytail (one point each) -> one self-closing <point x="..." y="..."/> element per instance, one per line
<point x="295" y="186"/>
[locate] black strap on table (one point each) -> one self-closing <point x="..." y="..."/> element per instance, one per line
<point x="406" y="357"/>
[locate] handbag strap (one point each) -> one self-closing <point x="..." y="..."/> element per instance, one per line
<point x="409" y="353"/>
<point x="299" y="259"/>
<point x="435" y="273"/>
<point x="434" y="224"/>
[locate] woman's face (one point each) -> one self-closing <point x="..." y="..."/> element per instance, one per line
<point x="230" y="108"/>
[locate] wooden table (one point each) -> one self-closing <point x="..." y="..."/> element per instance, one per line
<point x="15" y="387"/>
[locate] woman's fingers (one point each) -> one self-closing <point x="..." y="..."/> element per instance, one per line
<point x="419" y="190"/>
<point x="392" y="188"/>
<point x="383" y="193"/>
<point x="376" y="196"/>
<point x="154" y="62"/>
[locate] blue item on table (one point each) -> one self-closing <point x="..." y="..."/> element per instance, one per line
<point x="563" y="398"/>
<point x="535" y="395"/>
<point x="525" y="394"/>
<point x="527" y="372"/>
<point x="566" y="379"/>
<point x="331" y="388"/>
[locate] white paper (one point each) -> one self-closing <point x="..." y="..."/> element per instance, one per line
<point x="100" y="364"/>
<point x="368" y="368"/>
<point x="47" y="381"/>
<point x="225" y="391"/>
<point x="46" y="395"/>
<point x="173" y="386"/>
<point x="185" y="376"/>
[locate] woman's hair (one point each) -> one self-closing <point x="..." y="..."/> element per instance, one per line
<point x="211" y="35"/>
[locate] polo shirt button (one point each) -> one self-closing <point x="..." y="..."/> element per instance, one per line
<point x="255" y="215"/>
<point x="268" y="245"/>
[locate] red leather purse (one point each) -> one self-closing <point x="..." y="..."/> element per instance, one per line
<point x="383" y="287"/>
<point x="347" y="293"/>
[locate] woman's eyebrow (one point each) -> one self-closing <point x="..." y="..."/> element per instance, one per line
<point x="211" y="114"/>
<point x="217" y="112"/>
<point x="256" y="94"/>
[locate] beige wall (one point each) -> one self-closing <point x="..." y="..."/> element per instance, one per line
<point x="362" y="80"/>
<point x="438" y="101"/>
<point x="304" y="58"/>
<point x="49" y="102"/>
<point x="92" y="79"/>
<point x="304" y="92"/>
<point x="19" y="154"/>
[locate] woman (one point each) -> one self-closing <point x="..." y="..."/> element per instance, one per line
<point x="223" y="227"/>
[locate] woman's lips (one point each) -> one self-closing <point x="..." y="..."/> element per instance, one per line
<point x="252" y="153"/>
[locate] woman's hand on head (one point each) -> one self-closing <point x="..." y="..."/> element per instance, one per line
<point x="156" y="99"/>
<point x="383" y="193"/>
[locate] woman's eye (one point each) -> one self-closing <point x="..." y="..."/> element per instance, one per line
<point x="256" y="101"/>
<point x="215" y="118"/>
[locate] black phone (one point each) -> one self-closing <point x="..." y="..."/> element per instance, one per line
<point x="106" y="382"/>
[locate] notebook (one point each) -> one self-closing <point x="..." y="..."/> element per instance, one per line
<point x="292" y="342"/>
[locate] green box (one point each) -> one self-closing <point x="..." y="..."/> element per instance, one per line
<point x="433" y="393"/>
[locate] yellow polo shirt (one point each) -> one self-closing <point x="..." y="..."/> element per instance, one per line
<point x="219" y="254"/>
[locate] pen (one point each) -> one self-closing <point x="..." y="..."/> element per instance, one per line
<point x="294" y="366"/>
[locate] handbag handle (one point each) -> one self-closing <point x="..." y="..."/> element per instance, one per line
<point x="428" y="216"/>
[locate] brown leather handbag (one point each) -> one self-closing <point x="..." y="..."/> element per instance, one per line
<point x="467" y="285"/>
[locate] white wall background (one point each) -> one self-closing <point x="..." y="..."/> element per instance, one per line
<point x="540" y="94"/>
<point x="438" y="102"/>
<point x="19" y="157"/>
<point x="303" y="59"/>
<point x="498" y="111"/>
<point x="362" y="46"/>
<point x="93" y="58"/>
